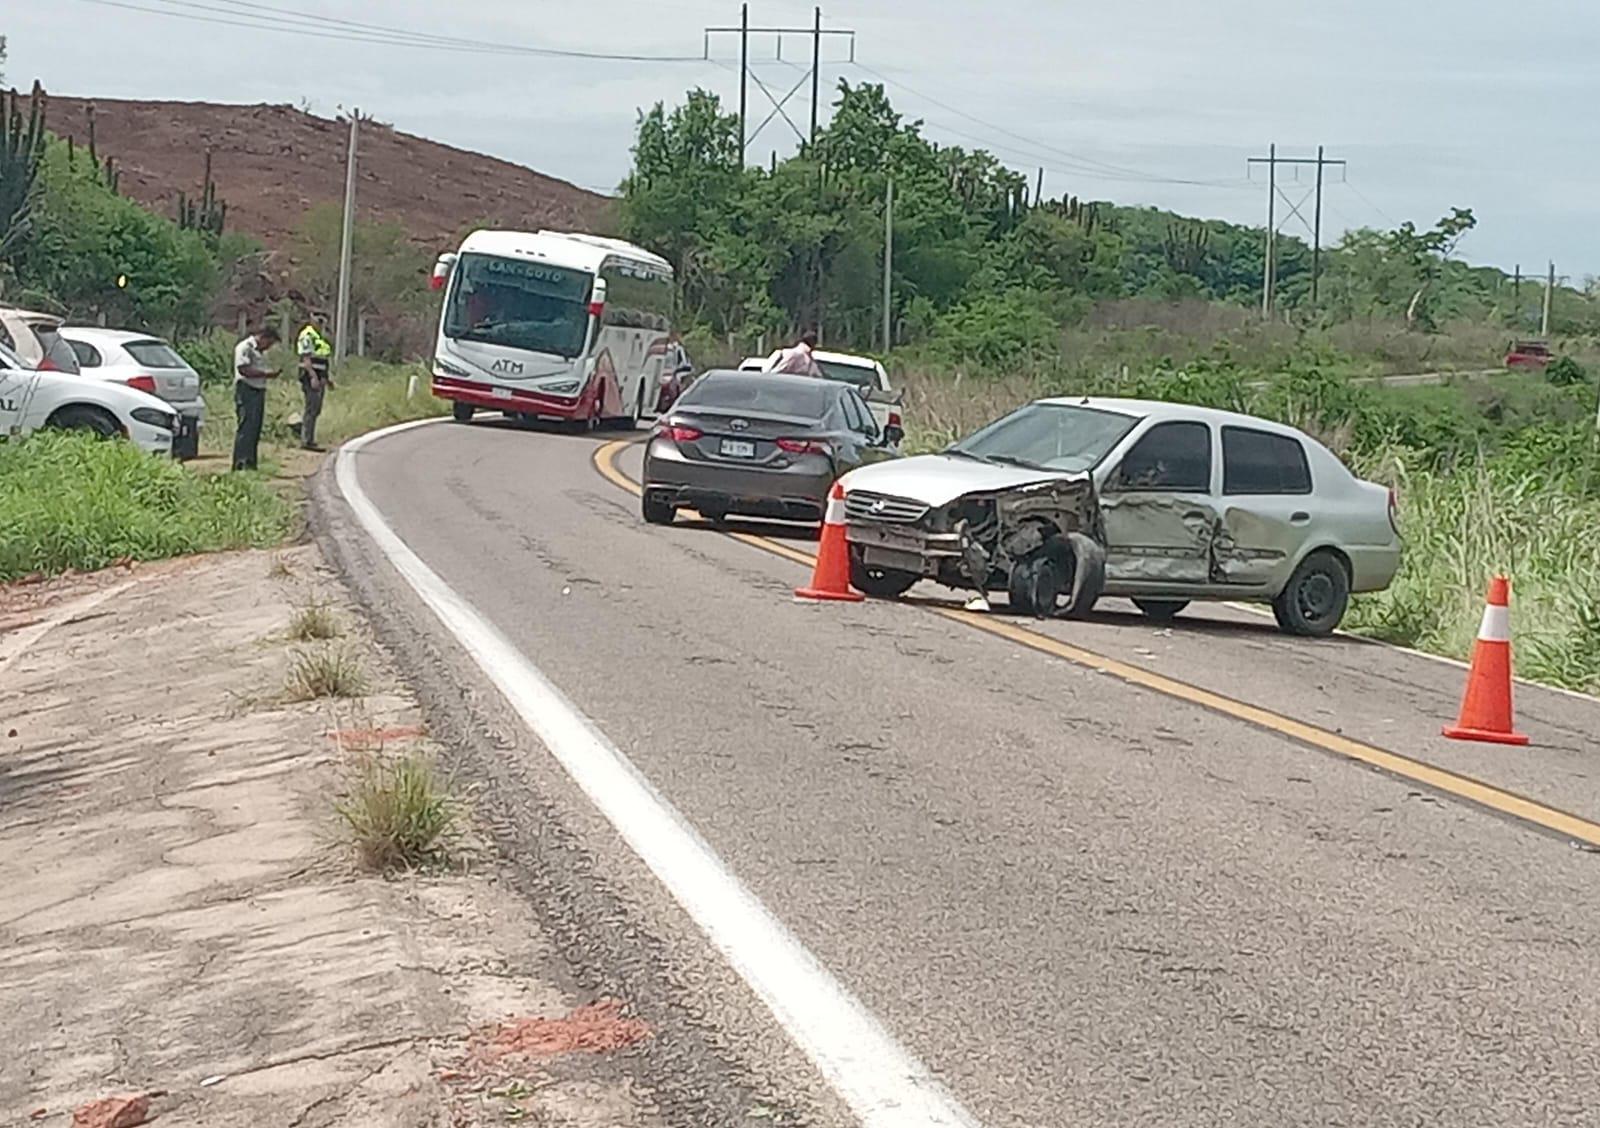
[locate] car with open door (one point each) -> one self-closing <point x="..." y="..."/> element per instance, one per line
<point x="758" y="445"/>
<point x="1067" y="500"/>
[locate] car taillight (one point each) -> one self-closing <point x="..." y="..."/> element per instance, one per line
<point x="894" y="419"/>
<point x="143" y="383"/>
<point x="681" y="434"/>
<point x="803" y="446"/>
<point x="1394" y="511"/>
<point x="48" y="365"/>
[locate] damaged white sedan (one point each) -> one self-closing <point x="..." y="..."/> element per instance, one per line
<point x="1066" y="500"/>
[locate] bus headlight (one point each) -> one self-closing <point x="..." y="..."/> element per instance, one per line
<point x="443" y="367"/>
<point x="565" y="388"/>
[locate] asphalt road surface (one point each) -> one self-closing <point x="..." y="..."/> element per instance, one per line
<point x="1086" y="873"/>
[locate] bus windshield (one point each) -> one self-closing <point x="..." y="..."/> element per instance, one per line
<point x="519" y="304"/>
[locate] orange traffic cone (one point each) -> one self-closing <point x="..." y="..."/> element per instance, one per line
<point x="1486" y="708"/>
<point x="830" y="579"/>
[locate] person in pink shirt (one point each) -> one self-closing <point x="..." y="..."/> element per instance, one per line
<point x="799" y="360"/>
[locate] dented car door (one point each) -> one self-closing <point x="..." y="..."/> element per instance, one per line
<point x="1159" y="508"/>
<point x="1266" y="507"/>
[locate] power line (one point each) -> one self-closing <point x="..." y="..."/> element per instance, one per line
<point x="303" y="25"/>
<point x="1103" y="169"/>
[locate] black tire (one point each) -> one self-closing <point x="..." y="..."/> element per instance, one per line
<point x="1161" y="610"/>
<point x="879" y="583"/>
<point x="657" y="510"/>
<point x="81" y="417"/>
<point x="1313" y="602"/>
<point x="1037" y="584"/>
<point x="462" y="412"/>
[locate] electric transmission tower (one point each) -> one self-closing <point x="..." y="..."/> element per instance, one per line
<point x="1269" y="271"/>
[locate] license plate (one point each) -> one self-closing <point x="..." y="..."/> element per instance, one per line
<point x="738" y="448"/>
<point x="500" y="393"/>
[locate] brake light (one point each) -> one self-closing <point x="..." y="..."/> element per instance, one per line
<point x="894" y="419"/>
<point x="597" y="309"/>
<point x="1394" y="511"/>
<point x="143" y="383"/>
<point x="681" y="434"/>
<point x="48" y="365"/>
<point x="803" y="446"/>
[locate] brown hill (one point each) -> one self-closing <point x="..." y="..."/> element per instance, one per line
<point x="272" y="163"/>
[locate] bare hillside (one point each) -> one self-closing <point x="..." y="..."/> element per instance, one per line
<point x="271" y="163"/>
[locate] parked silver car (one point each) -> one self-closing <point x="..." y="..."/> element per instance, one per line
<point x="148" y="364"/>
<point x="1068" y="499"/>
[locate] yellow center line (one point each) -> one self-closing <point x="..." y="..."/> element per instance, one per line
<point x="1439" y="779"/>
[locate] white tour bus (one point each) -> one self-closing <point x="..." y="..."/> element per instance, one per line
<point x="552" y="326"/>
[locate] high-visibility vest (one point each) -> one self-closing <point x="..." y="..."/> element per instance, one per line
<point x="313" y="343"/>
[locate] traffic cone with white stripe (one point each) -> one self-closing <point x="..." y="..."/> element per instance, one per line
<point x="1486" y="708"/>
<point x="830" y="579"/>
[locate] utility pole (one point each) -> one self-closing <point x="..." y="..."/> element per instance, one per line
<point x="816" y="73"/>
<point x="744" y="74"/>
<point x="1549" y="292"/>
<point x="1516" y="297"/>
<point x="780" y="101"/>
<point x="1038" y="193"/>
<point x="888" y="264"/>
<point x="1269" y="280"/>
<point x="341" y="335"/>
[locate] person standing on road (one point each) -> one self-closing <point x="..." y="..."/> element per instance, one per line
<point x="250" y="376"/>
<point x="315" y="354"/>
<point x="676" y="368"/>
<point x="799" y="360"/>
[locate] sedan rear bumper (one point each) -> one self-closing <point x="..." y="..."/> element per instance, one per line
<point x="794" y="493"/>
<point x="1372" y="567"/>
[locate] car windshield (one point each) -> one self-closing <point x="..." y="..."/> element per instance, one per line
<point x="1049" y="436"/>
<point x="519" y="304"/>
<point x="759" y="395"/>
<point x="853" y="374"/>
<point x="154" y="354"/>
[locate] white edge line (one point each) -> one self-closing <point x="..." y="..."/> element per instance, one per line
<point x="880" y="1081"/>
<point x="1253" y="609"/>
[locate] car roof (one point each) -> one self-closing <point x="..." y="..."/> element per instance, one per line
<point x="110" y="336"/>
<point x="767" y="378"/>
<point x="1164" y="410"/>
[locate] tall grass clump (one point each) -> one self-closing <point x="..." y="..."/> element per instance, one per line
<point x="70" y="501"/>
<point x="330" y="671"/>
<point x="400" y="812"/>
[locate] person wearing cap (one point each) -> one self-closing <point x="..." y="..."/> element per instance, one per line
<point x="315" y="354"/>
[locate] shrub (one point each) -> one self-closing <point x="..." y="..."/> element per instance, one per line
<point x="1564" y="372"/>
<point x="327" y="672"/>
<point x="315" y="622"/>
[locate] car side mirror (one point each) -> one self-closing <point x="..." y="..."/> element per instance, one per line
<point x="893" y="434"/>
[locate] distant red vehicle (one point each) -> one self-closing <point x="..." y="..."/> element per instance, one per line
<point x="1528" y="354"/>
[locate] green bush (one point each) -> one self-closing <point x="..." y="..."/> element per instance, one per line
<point x="211" y="355"/>
<point x="72" y="502"/>
<point x="1564" y="372"/>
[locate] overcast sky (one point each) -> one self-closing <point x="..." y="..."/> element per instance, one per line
<point x="1476" y="103"/>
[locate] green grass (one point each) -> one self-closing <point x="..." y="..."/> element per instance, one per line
<point x="400" y="812"/>
<point x="70" y="502"/>
<point x="326" y="672"/>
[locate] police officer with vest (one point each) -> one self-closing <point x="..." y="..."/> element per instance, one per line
<point x="315" y="355"/>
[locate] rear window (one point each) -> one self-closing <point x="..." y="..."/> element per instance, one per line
<point x="154" y="354"/>
<point x="806" y="399"/>
<point x="1257" y="462"/>
<point x="88" y="355"/>
<point x="864" y="378"/>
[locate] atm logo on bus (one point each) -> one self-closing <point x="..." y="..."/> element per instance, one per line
<point x="509" y="367"/>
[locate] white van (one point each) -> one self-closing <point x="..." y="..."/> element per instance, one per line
<point x="552" y="325"/>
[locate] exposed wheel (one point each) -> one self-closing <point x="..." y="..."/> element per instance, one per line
<point x="657" y="510"/>
<point x="1161" y="610"/>
<point x="1036" y="585"/>
<point x="80" y="417"/>
<point x="880" y="583"/>
<point x="462" y="412"/>
<point x="1314" y="600"/>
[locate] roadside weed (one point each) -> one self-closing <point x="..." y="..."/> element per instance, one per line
<point x="400" y="812"/>
<point x="314" y="622"/>
<point x="328" y="671"/>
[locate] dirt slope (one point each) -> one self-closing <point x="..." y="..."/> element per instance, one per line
<point x="271" y="163"/>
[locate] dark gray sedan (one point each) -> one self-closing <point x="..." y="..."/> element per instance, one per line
<point x="758" y="444"/>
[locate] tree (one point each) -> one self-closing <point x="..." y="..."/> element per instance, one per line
<point x="384" y="273"/>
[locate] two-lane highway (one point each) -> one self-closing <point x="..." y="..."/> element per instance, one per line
<point x="1074" y="895"/>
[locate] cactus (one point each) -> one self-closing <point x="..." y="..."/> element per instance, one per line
<point x="22" y="143"/>
<point x="209" y="214"/>
<point x="1185" y="246"/>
